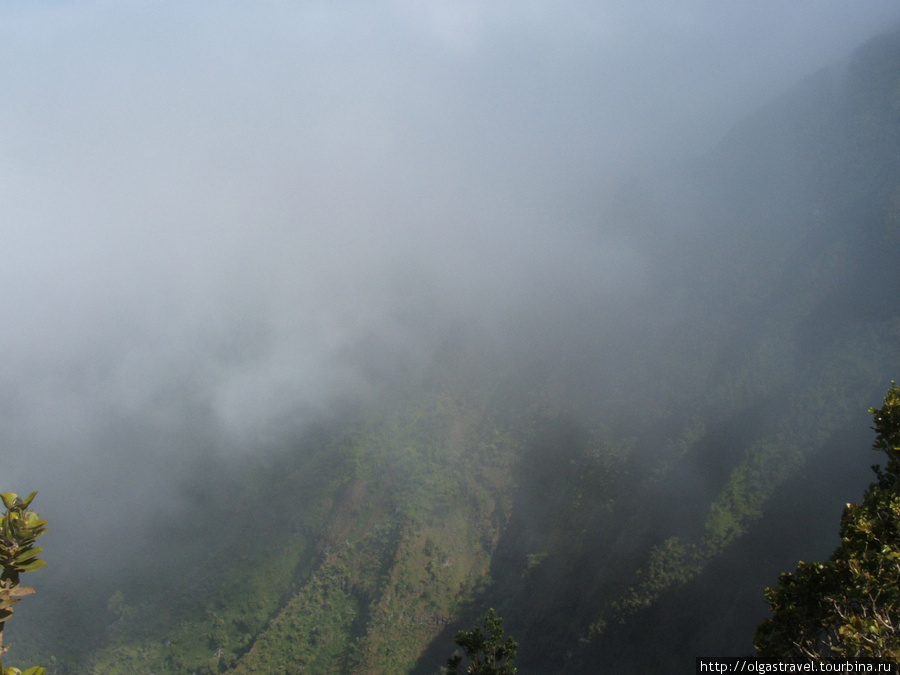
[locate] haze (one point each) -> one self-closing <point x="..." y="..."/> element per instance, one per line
<point x="217" y="217"/>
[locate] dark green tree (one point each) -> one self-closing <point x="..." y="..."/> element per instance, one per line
<point x="486" y="651"/>
<point x="848" y="606"/>
<point x="19" y="529"/>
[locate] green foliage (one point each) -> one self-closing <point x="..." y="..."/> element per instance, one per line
<point x="34" y="670"/>
<point x="848" y="606"/>
<point x="407" y="541"/>
<point x="361" y="550"/>
<point x="19" y="529"/>
<point x="671" y="563"/>
<point x="486" y="651"/>
<point x="203" y="617"/>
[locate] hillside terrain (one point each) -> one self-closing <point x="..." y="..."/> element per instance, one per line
<point x="621" y="499"/>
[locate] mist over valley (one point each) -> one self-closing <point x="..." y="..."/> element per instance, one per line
<point x="328" y="328"/>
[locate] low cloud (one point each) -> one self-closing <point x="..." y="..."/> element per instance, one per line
<point x="215" y="216"/>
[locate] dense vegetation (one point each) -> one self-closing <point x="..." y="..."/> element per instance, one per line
<point x="848" y="605"/>
<point x="19" y="531"/>
<point x="621" y="500"/>
<point x="485" y="652"/>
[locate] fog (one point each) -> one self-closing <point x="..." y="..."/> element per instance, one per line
<point x="222" y="220"/>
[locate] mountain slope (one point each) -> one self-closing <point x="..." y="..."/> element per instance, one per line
<point x="622" y="499"/>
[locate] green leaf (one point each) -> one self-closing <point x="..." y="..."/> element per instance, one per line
<point x="27" y="501"/>
<point x="28" y="554"/>
<point x="33" y="522"/>
<point x="32" y="566"/>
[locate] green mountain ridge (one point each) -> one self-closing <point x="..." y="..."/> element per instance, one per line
<point x="623" y="518"/>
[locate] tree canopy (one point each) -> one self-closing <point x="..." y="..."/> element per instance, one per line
<point x="19" y="529"/>
<point x="848" y="606"/>
<point x="486" y="651"/>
